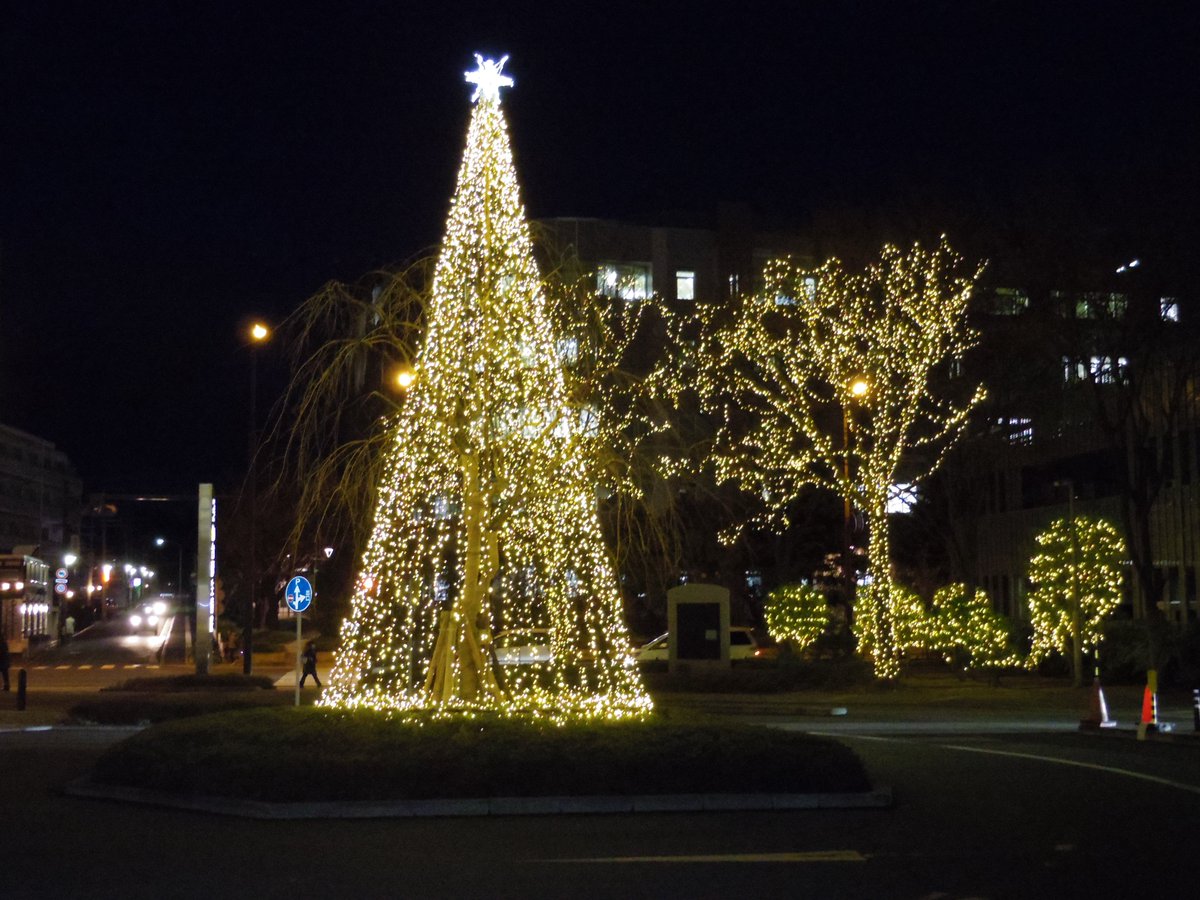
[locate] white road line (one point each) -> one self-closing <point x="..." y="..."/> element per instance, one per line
<point x="811" y="856"/>
<point x="132" y="666"/>
<point x="1112" y="770"/>
<point x="86" y="666"/>
<point x="1190" y="788"/>
<point x="60" y="668"/>
<point x="41" y="667"/>
<point x="108" y="666"/>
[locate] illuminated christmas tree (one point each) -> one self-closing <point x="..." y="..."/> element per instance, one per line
<point x="486" y="519"/>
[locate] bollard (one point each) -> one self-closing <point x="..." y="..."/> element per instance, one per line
<point x="22" y="678"/>
<point x="1196" y="709"/>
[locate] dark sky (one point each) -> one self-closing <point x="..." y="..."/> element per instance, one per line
<point x="169" y="169"/>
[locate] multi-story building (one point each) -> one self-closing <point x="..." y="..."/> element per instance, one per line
<point x="39" y="521"/>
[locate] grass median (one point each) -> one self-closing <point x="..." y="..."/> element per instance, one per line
<point x="307" y="754"/>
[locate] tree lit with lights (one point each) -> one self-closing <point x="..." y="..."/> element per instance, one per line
<point x="487" y="517"/>
<point x="835" y="378"/>
<point x="967" y="631"/>
<point x="796" y="614"/>
<point x="1076" y="572"/>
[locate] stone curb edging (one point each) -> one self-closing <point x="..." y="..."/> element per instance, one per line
<point x="880" y="798"/>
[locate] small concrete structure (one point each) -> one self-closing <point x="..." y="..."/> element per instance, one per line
<point x="698" y="627"/>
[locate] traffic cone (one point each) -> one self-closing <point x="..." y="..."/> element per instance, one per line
<point x="1097" y="716"/>
<point x="1149" y="723"/>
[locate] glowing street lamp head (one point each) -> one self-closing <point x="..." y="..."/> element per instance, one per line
<point x="488" y="79"/>
<point x="158" y="542"/>
<point x="859" y="387"/>
<point x="405" y="379"/>
<point x="259" y="332"/>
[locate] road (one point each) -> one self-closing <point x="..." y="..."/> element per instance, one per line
<point x="977" y="814"/>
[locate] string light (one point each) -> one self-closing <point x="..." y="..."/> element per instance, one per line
<point x="1088" y="568"/>
<point x="778" y="370"/>
<point x="967" y="630"/>
<point x="796" y="614"/>
<point x="487" y="517"/>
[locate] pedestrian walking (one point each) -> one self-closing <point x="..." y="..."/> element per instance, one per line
<point x="309" y="661"/>
<point x="4" y="659"/>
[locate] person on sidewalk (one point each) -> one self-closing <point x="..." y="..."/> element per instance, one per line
<point x="309" y="661"/>
<point x="4" y="659"/>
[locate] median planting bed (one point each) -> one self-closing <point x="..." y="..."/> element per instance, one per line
<point x="308" y="754"/>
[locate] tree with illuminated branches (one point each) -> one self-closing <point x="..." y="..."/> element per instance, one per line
<point x="486" y="518"/>
<point x="1076" y="577"/>
<point x="830" y="377"/>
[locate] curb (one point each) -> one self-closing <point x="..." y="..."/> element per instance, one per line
<point x="881" y="798"/>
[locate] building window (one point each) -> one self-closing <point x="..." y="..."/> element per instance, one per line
<point x="733" y="284"/>
<point x="1168" y="307"/>
<point x="808" y="292"/>
<point x="628" y="281"/>
<point x="1096" y="305"/>
<point x="1073" y="370"/>
<point x="1018" y="428"/>
<point x="1103" y="370"/>
<point x="1009" y="301"/>
<point x="685" y="285"/>
<point x="901" y="499"/>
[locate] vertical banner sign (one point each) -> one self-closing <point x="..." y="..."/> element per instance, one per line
<point x="206" y="577"/>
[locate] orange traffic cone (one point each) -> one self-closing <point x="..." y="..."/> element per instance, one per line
<point x="1149" y="721"/>
<point x="1097" y="716"/>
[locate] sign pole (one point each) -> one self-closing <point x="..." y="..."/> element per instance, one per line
<point x="299" y="618"/>
<point x="298" y="596"/>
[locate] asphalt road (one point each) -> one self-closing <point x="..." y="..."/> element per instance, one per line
<point x="976" y="815"/>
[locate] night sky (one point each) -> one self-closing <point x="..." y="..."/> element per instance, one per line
<point x="170" y="169"/>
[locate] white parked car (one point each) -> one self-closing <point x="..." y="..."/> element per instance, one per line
<point x="522" y="646"/>
<point x="742" y="645"/>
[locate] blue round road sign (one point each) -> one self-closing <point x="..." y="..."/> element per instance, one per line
<point x="298" y="594"/>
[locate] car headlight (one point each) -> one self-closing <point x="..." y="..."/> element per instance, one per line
<point x="135" y="620"/>
<point x="160" y="608"/>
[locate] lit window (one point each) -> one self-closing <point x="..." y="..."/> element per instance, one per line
<point x="733" y="284"/>
<point x="685" y="285"/>
<point x="1019" y="429"/>
<point x="623" y="280"/>
<point x="901" y="499"/>
<point x="808" y="291"/>
<point x="1169" y="308"/>
<point x="1009" y="301"/>
<point x="1074" y="370"/>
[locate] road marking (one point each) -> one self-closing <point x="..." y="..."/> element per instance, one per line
<point x="60" y="668"/>
<point x="41" y="667"/>
<point x="809" y="856"/>
<point x="86" y="666"/>
<point x="1190" y="788"/>
<point x="108" y="666"/>
<point x="132" y="666"/>
<point x="152" y="667"/>
<point x="1096" y="767"/>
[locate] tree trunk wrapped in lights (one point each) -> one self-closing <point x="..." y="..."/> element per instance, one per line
<point x="819" y="353"/>
<point x="486" y="519"/>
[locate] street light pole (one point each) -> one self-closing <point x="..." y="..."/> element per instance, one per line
<point x="1076" y="626"/>
<point x="258" y="334"/>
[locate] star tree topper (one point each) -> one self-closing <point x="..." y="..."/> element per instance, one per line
<point x="488" y="78"/>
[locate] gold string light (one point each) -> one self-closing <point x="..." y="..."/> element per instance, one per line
<point x="1089" y="568"/>
<point x="778" y="370"/>
<point x="487" y="514"/>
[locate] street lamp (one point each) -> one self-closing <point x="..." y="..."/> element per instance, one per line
<point x="159" y="542"/>
<point x="1076" y="650"/>
<point x="405" y="378"/>
<point x="259" y="334"/>
<point x="857" y="388"/>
